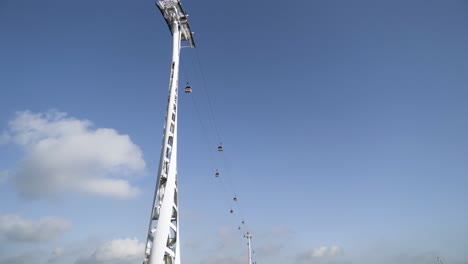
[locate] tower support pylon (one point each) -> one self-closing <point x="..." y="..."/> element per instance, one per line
<point x="162" y="244"/>
<point x="249" y="244"/>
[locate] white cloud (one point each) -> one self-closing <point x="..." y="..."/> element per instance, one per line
<point x="25" y="258"/>
<point x="65" y="154"/>
<point x="325" y="252"/>
<point x="56" y="256"/>
<point x="58" y="251"/>
<point x="320" y="253"/>
<point x="227" y="237"/>
<point x="225" y="260"/>
<point x="119" y="251"/>
<point x="15" y="228"/>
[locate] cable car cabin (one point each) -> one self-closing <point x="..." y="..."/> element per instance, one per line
<point x="235" y="199"/>
<point x="188" y="89"/>
<point x="232" y="211"/>
<point x="217" y="174"/>
<point x="220" y="148"/>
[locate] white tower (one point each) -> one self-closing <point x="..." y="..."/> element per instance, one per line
<point x="249" y="244"/>
<point x="162" y="245"/>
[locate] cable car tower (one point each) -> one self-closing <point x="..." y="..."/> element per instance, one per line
<point x="162" y="244"/>
<point x="248" y="236"/>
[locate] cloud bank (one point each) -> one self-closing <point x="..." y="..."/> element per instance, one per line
<point x="65" y="154"/>
<point x="15" y="228"/>
<point x="29" y="257"/>
<point x="217" y="259"/>
<point x="119" y="251"/>
<point x="320" y="254"/>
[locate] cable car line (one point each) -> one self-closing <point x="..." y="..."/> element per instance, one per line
<point x="208" y="144"/>
<point x="204" y="130"/>
<point x="204" y="88"/>
<point x="207" y="140"/>
<point x="218" y="155"/>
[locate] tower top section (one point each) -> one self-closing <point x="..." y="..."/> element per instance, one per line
<point x="172" y="11"/>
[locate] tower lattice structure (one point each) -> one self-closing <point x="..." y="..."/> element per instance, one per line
<point x="162" y="245"/>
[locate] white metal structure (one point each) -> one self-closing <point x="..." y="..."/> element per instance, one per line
<point x="162" y="245"/>
<point x="249" y="244"/>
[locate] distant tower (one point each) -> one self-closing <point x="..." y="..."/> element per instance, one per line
<point x="162" y="245"/>
<point x="249" y="244"/>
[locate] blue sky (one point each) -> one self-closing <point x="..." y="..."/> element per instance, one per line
<point x="344" y="123"/>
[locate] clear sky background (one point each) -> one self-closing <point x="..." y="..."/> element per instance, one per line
<point x="344" y="124"/>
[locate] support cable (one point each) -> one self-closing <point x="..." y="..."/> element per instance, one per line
<point x="210" y="105"/>
<point x="225" y="177"/>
